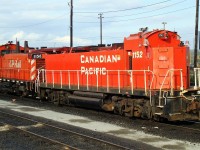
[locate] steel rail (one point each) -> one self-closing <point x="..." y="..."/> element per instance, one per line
<point x="72" y="132"/>
<point x="65" y="146"/>
<point x="180" y="126"/>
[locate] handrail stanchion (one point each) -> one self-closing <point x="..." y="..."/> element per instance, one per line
<point x="151" y="87"/>
<point x="119" y="80"/>
<point x="131" y="81"/>
<point x="87" y="80"/>
<point x="162" y="86"/>
<point x="69" y="80"/>
<point x="107" y="82"/>
<point x="97" y="81"/>
<point x="145" y="83"/>
<point x="181" y="80"/>
<point x="171" y="85"/>
<point x="78" y="79"/>
<point x="46" y="77"/>
<point x="53" y="77"/>
<point x="42" y="75"/>
<point x="61" y="79"/>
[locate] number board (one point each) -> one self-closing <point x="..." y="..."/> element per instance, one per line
<point x="36" y="56"/>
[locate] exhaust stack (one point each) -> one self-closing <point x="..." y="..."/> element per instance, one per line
<point x="17" y="47"/>
<point x="26" y="48"/>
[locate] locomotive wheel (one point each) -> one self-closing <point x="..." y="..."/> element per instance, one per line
<point x="63" y="97"/>
<point x="57" y="99"/>
<point x="42" y="94"/>
<point x="147" y="111"/>
<point x="137" y="111"/>
<point x="54" y="98"/>
<point x="122" y="110"/>
<point x="25" y="93"/>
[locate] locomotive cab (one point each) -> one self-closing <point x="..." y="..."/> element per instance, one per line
<point x="163" y="53"/>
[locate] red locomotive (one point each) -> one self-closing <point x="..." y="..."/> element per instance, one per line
<point x="7" y="49"/>
<point x="146" y="76"/>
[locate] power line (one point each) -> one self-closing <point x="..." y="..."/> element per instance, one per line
<point x="127" y="8"/>
<point x="136" y="13"/>
<point x="87" y="16"/>
<point x="105" y="37"/>
<point x="26" y="26"/>
<point x="153" y="15"/>
<point x="144" y="16"/>
<point x="148" y="11"/>
<point x="53" y="40"/>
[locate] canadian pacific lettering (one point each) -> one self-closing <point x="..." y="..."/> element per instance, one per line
<point x="15" y="64"/>
<point x="100" y="59"/>
<point x="93" y="70"/>
<point x="97" y="59"/>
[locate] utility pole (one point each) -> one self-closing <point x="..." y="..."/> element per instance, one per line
<point x="196" y="33"/>
<point x="100" y="17"/>
<point x="71" y="23"/>
<point x="164" y="23"/>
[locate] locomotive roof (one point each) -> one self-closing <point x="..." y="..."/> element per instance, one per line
<point x="148" y="34"/>
<point x="11" y="46"/>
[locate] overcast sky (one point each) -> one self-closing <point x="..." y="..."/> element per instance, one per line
<point x="46" y="22"/>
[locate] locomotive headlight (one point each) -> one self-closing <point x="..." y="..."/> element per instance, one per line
<point x="161" y="35"/>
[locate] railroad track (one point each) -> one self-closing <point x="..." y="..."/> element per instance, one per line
<point x="197" y="122"/>
<point x="63" y="145"/>
<point x="195" y="126"/>
<point x="184" y="125"/>
<point x="101" y="144"/>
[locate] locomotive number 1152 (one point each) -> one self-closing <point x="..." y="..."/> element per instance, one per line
<point x="138" y="54"/>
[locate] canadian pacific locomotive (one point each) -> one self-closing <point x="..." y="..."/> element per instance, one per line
<point x="146" y="76"/>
